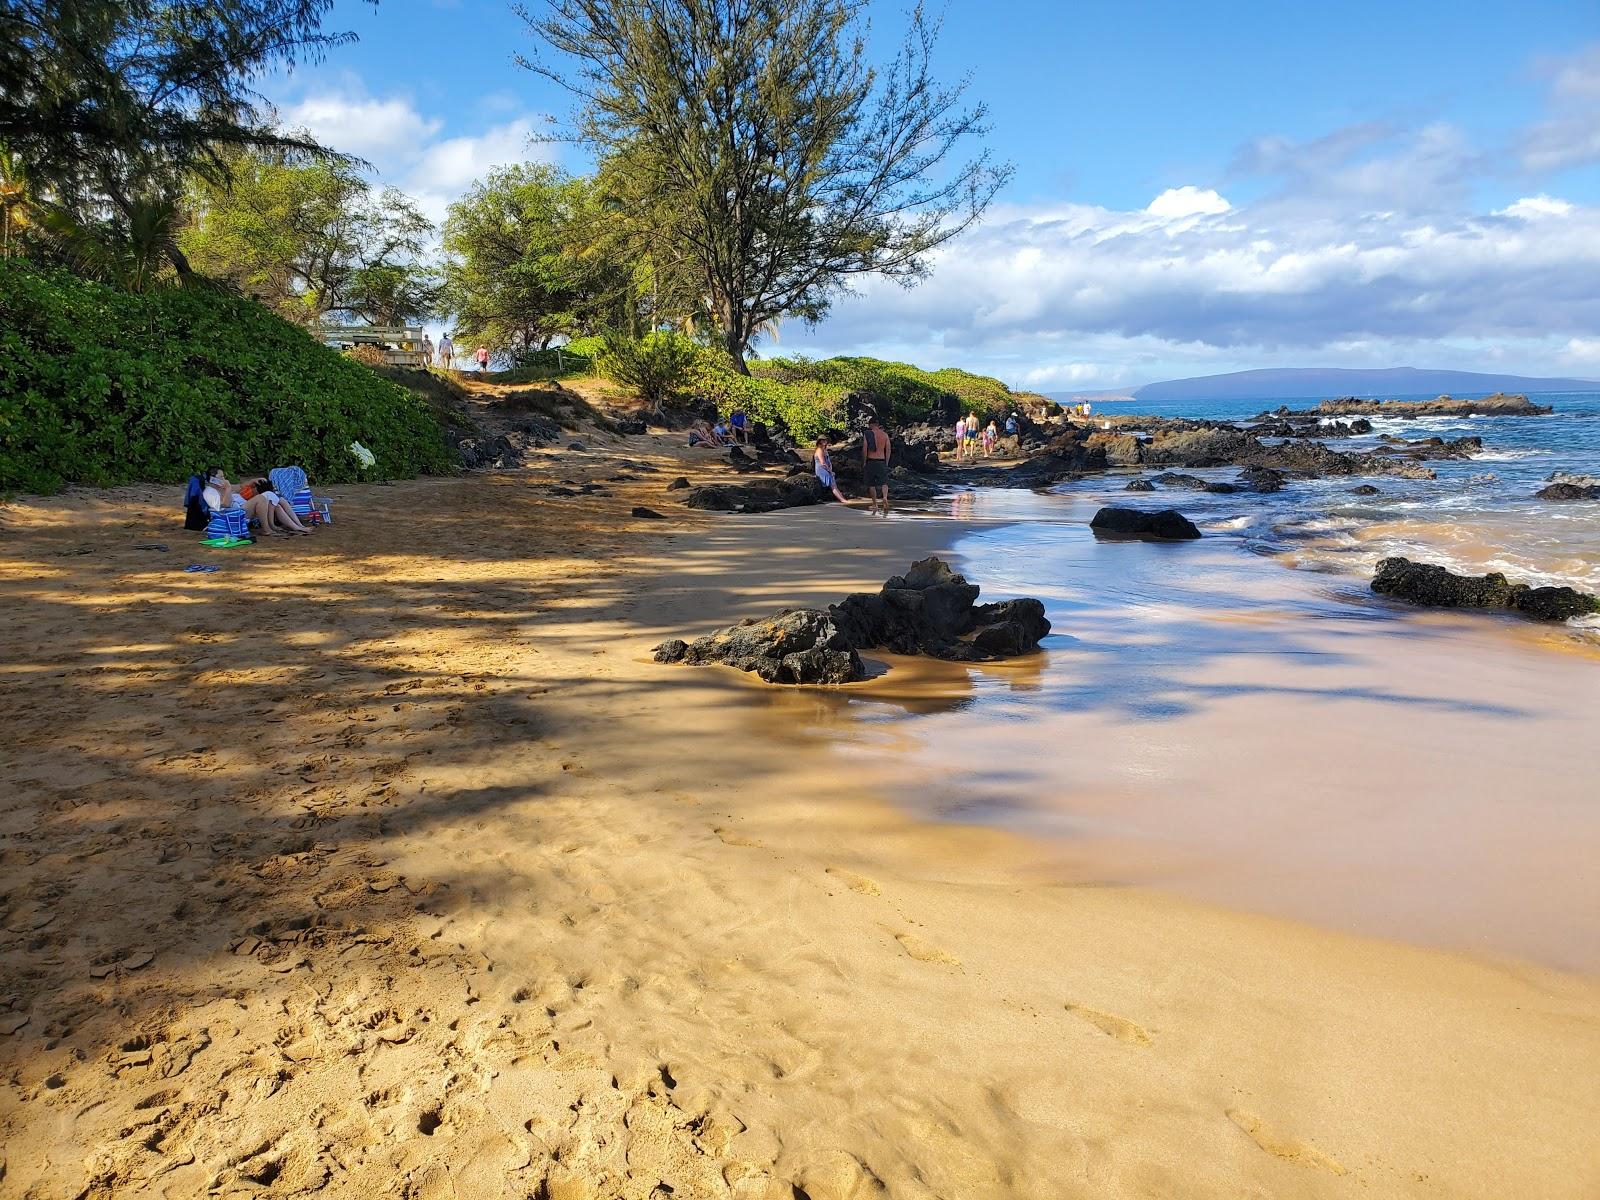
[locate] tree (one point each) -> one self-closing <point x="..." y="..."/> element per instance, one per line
<point x="311" y="239"/>
<point x="755" y="137"/>
<point x="526" y="260"/>
<point x="110" y="105"/>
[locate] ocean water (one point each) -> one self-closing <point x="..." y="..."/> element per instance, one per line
<point x="1479" y="514"/>
<point x="1241" y="719"/>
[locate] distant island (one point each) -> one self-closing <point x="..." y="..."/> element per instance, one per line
<point x="1288" y="383"/>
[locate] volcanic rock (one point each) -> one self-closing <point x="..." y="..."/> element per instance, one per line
<point x="928" y="610"/>
<point x="1168" y="524"/>
<point x="801" y="645"/>
<point x="764" y="495"/>
<point x="1261" y="479"/>
<point x="1434" y="586"/>
<point x="1567" y="491"/>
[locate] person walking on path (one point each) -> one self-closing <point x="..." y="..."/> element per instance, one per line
<point x="427" y="351"/>
<point x="483" y="359"/>
<point x="822" y="464"/>
<point x="990" y="436"/>
<point x="961" y="437"/>
<point x="447" y="351"/>
<point x="875" y="452"/>
<point x="972" y="436"/>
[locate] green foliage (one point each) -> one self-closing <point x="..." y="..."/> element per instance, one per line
<point x="104" y="387"/>
<point x="899" y="393"/>
<point x="312" y="238"/>
<point x="111" y="105"/>
<point x="575" y="358"/>
<point x="752" y="148"/>
<point x="524" y="264"/>
<point x="656" y="365"/>
<point x="806" y="408"/>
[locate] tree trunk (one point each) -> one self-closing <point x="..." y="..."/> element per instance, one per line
<point x="734" y="336"/>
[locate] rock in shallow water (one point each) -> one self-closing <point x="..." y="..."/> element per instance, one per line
<point x="1168" y="524"/>
<point x="1567" y="491"/>
<point x="1436" y="587"/>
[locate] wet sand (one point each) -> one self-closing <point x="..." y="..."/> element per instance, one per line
<point x="390" y="864"/>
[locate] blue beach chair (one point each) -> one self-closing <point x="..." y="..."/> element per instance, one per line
<point x="229" y="524"/>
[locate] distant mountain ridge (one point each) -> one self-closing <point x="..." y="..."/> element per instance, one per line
<point x="1289" y="383"/>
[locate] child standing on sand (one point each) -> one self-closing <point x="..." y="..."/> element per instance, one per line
<point x="822" y="464"/>
<point x="991" y="435"/>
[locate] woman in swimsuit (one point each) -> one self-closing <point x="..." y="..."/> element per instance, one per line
<point x="822" y="464"/>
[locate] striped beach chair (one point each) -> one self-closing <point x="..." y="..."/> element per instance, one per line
<point x="290" y="482"/>
<point x="228" y="522"/>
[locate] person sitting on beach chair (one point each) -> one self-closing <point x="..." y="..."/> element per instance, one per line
<point x="261" y="505"/>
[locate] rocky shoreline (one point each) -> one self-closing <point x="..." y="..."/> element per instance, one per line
<point x="1269" y="450"/>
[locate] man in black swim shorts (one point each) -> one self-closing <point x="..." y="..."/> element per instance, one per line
<point x="875" y="453"/>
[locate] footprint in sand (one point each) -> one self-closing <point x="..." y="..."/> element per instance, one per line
<point x="731" y="838"/>
<point x="923" y="952"/>
<point x="1281" y="1145"/>
<point x="856" y="883"/>
<point x="1112" y="1026"/>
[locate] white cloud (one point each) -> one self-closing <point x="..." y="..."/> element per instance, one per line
<point x="1071" y="296"/>
<point x="1531" y="208"/>
<point x="1187" y="201"/>
<point x="1583" y="351"/>
<point x="403" y="144"/>
<point x="386" y="132"/>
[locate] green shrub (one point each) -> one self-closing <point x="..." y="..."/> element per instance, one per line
<point x="103" y="387"/>
<point x="656" y="365"/>
<point x="577" y="357"/>
<point x="804" y="408"/>
<point x="899" y="393"/>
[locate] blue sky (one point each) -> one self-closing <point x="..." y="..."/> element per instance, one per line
<point x="1198" y="188"/>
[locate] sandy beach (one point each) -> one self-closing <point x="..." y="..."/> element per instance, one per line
<point x="387" y="862"/>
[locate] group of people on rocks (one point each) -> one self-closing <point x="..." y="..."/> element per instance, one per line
<point x="972" y="435"/>
<point x="444" y="354"/>
<point x="733" y="430"/>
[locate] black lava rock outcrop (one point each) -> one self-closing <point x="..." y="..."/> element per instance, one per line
<point x="1167" y="525"/>
<point x="762" y="495"/>
<point x="1498" y="405"/>
<point x="928" y="610"/>
<point x="932" y="610"/>
<point x="1436" y="587"/>
<point x="1260" y="479"/>
<point x="1567" y="491"/>
<point x="485" y="451"/>
<point x="799" y="645"/>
